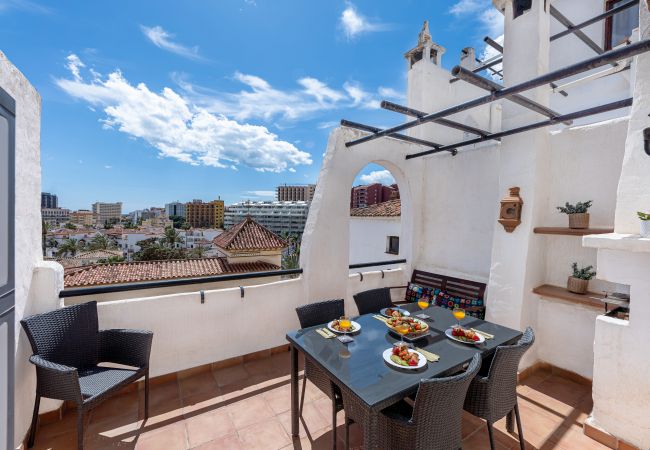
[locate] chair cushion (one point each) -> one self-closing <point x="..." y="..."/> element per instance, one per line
<point x="98" y="380"/>
<point x="473" y="307"/>
<point x="414" y="292"/>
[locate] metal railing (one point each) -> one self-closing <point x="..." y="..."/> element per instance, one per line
<point x="107" y="289"/>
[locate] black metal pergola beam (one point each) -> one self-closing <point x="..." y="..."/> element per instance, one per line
<point x="555" y="75"/>
<point x="572" y="116"/>
<point x="595" y="19"/>
<point x="390" y="106"/>
<point x="493" y="86"/>
<point x="578" y="33"/>
<point x="401" y="137"/>
<point x="482" y="67"/>
<point x="494" y="44"/>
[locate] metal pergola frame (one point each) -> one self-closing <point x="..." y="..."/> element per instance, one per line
<point x="599" y="60"/>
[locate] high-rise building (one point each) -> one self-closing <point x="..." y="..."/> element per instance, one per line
<point x="55" y="216"/>
<point x="49" y="200"/>
<point x="107" y="212"/>
<point x="279" y="217"/>
<point x="83" y="217"/>
<point x="371" y="194"/>
<point x="201" y="214"/>
<point x="295" y="192"/>
<point x="175" y="209"/>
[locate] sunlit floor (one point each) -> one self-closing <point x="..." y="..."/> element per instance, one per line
<point x="247" y="407"/>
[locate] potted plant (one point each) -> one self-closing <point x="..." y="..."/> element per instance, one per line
<point x="578" y="215"/>
<point x="645" y="224"/>
<point x="579" y="281"/>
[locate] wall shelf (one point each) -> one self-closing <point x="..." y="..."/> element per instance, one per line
<point x="565" y="231"/>
<point x="589" y="299"/>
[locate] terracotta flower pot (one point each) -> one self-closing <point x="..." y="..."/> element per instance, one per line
<point x="577" y="285"/>
<point x="580" y="220"/>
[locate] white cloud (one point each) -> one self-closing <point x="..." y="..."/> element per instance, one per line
<point x="23" y="5"/>
<point x="354" y="23"/>
<point x="108" y="167"/>
<point x="328" y="124"/>
<point x="377" y="176"/>
<point x="492" y="20"/>
<point x="163" y="39"/>
<point x="74" y="65"/>
<point x="467" y="7"/>
<point x="179" y="129"/>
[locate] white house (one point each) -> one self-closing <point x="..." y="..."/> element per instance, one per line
<point x="375" y="232"/>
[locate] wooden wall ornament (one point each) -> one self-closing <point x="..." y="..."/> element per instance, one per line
<point x="510" y="214"/>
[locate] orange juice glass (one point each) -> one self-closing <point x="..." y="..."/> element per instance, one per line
<point x="403" y="329"/>
<point x="459" y="314"/>
<point x="345" y="323"/>
<point x="423" y="302"/>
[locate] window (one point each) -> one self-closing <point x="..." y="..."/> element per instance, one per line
<point x="392" y="245"/>
<point x="618" y="28"/>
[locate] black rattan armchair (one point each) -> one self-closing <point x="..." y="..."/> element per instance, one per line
<point x="493" y="396"/>
<point x="311" y="315"/>
<point x="373" y="301"/>
<point x="433" y="422"/>
<point x="68" y="346"/>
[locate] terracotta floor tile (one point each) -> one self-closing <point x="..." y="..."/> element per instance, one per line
<point x="480" y="440"/>
<point x="279" y="399"/>
<point x="249" y="411"/>
<point x="262" y="367"/>
<point x="471" y="424"/>
<point x="115" y="432"/>
<point x="200" y="383"/>
<point x="125" y="404"/>
<point x="265" y="435"/>
<point x="563" y="390"/>
<point x="202" y="428"/>
<point x="228" y="442"/>
<point x="312" y="418"/>
<point x="61" y="441"/>
<point x="229" y="375"/>
<point x="169" y="437"/>
<point x="573" y="438"/>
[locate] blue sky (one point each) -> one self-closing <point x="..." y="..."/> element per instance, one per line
<point x="150" y="102"/>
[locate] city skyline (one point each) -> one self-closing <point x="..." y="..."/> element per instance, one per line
<point x="122" y="104"/>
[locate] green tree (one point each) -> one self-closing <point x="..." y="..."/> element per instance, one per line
<point x="45" y="227"/>
<point x="129" y="225"/>
<point x="69" y="247"/>
<point x="179" y="221"/>
<point x="171" y="238"/>
<point x="291" y="255"/>
<point x="197" y="252"/>
<point x="152" y="249"/>
<point x="70" y="226"/>
<point x="110" y="260"/>
<point x="101" y="242"/>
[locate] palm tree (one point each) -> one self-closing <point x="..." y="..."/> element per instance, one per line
<point x="68" y="247"/>
<point x="171" y="237"/>
<point x="101" y="242"/>
<point x="45" y="228"/>
<point x="197" y="252"/>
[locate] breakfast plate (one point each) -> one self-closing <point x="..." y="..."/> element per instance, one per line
<point x="387" y="312"/>
<point x="466" y="336"/>
<point x="391" y="358"/>
<point x="333" y="326"/>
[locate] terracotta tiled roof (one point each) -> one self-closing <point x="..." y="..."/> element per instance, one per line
<point x="132" y="272"/>
<point x="391" y="208"/>
<point x="77" y="260"/>
<point x="249" y="235"/>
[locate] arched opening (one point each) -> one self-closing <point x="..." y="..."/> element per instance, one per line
<point x="375" y="216"/>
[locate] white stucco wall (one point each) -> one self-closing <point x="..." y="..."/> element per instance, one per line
<point x="368" y="238"/>
<point x="36" y="281"/>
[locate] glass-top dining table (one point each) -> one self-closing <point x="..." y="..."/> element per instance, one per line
<point x="360" y="368"/>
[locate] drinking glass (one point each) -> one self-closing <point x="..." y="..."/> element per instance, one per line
<point x="403" y="329"/>
<point x="345" y="323"/>
<point x="424" y="302"/>
<point x="459" y="314"/>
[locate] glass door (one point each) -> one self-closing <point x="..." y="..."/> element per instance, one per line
<point x="7" y="153"/>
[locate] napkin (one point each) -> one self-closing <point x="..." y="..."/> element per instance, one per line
<point x="327" y="334"/>
<point x="378" y="317"/>
<point x="431" y="357"/>
<point x="483" y="333"/>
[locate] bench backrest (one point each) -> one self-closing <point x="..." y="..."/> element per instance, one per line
<point x="456" y="287"/>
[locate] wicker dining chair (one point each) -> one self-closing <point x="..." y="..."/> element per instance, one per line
<point x="320" y="313"/>
<point x="433" y="422"/>
<point x="494" y="395"/>
<point x="68" y="346"/>
<point x="373" y="301"/>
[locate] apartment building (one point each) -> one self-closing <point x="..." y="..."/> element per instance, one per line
<point x="83" y="217"/>
<point x="175" y="209"/>
<point x="200" y="214"/>
<point x="107" y="212"/>
<point x="295" y="192"/>
<point x="278" y="217"/>
<point x="372" y="194"/>
<point x="55" y="216"/>
<point x="49" y="200"/>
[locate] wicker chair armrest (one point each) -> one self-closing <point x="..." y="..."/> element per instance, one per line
<point x="128" y="347"/>
<point x="56" y="380"/>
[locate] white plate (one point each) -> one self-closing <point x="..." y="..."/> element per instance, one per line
<point x="481" y="339"/>
<point x="404" y="312"/>
<point x="422" y="361"/>
<point x="355" y="327"/>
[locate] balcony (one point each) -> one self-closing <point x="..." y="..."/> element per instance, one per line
<point x="246" y="406"/>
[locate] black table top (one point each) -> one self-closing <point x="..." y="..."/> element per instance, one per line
<point x="359" y="365"/>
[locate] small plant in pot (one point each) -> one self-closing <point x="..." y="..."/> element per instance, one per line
<point x="578" y="215"/>
<point x="578" y="283"/>
<point x="645" y="224"/>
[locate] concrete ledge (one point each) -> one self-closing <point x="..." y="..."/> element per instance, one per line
<point x="616" y="241"/>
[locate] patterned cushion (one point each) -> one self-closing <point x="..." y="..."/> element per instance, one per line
<point x="473" y="307"/>
<point x="414" y="292"/>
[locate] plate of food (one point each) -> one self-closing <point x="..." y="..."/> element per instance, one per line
<point x="403" y="357"/>
<point x="335" y="326"/>
<point x="465" y="336"/>
<point x="416" y="327"/>
<point x="394" y="312"/>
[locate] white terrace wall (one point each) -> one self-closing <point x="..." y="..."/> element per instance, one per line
<point x="36" y="282"/>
